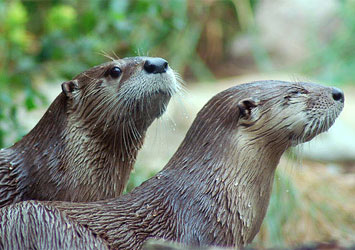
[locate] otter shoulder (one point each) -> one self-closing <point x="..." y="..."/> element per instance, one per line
<point x="9" y="179"/>
<point x="48" y="228"/>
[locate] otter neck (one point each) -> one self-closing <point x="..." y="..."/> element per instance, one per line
<point x="64" y="157"/>
<point x="236" y="179"/>
<point x="102" y="160"/>
<point x="226" y="191"/>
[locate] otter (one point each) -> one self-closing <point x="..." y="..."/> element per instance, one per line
<point x="215" y="189"/>
<point x="85" y="145"/>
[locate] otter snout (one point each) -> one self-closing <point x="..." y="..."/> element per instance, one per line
<point x="338" y="95"/>
<point x="155" y="65"/>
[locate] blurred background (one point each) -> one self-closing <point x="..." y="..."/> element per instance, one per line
<point x="213" y="45"/>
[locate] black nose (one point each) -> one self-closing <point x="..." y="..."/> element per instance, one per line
<point x="155" y="65"/>
<point x="338" y="94"/>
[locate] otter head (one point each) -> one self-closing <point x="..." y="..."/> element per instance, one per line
<point x="265" y="114"/>
<point x="130" y="90"/>
<point x="287" y="113"/>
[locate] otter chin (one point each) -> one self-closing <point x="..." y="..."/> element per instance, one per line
<point x="215" y="189"/>
<point x="85" y="145"/>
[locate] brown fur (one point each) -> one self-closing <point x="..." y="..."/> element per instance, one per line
<point x="85" y="145"/>
<point x="216" y="188"/>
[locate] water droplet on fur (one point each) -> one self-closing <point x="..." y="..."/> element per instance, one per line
<point x="236" y="183"/>
<point x="217" y="179"/>
<point x="249" y="205"/>
<point x="11" y="167"/>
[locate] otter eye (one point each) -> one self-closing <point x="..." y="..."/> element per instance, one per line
<point x="115" y="72"/>
<point x="298" y="92"/>
<point x="295" y="92"/>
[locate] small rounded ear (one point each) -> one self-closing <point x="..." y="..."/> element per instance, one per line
<point x="246" y="105"/>
<point x="69" y="87"/>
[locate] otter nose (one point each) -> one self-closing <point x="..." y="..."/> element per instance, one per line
<point x="155" y="65"/>
<point x="338" y="95"/>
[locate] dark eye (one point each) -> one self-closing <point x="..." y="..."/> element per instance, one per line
<point x="295" y="92"/>
<point x="115" y="72"/>
<point x="299" y="92"/>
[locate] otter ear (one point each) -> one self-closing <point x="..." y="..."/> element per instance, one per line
<point x="69" y="87"/>
<point x="246" y="106"/>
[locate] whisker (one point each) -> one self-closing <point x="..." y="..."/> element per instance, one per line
<point x="117" y="57"/>
<point x="106" y="55"/>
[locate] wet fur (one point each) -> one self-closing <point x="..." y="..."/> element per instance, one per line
<point x="84" y="147"/>
<point x="216" y="188"/>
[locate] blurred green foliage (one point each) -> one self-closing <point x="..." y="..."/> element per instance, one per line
<point x="335" y="62"/>
<point x="283" y="202"/>
<point x="43" y="40"/>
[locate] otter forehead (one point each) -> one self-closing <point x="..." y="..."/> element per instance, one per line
<point x="272" y="90"/>
<point x="127" y="64"/>
<point x="272" y="86"/>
